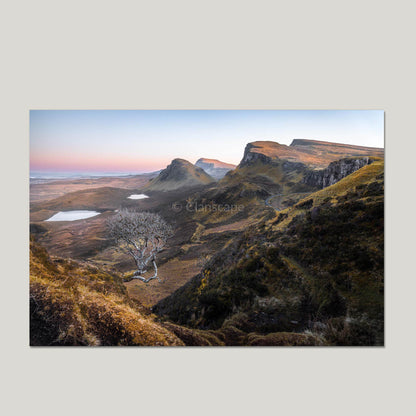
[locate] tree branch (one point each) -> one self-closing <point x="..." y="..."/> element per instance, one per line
<point x="142" y="235"/>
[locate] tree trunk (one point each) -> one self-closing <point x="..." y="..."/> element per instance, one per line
<point x="138" y="274"/>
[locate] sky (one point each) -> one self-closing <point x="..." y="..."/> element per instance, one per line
<point x="136" y="141"/>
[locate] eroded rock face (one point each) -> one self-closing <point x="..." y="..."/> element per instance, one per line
<point x="214" y="168"/>
<point x="251" y="157"/>
<point x="252" y="154"/>
<point x="313" y="153"/>
<point x="336" y="171"/>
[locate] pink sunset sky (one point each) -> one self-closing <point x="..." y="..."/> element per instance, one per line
<point x="136" y="141"/>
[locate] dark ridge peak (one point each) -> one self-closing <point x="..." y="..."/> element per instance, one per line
<point x="179" y="161"/>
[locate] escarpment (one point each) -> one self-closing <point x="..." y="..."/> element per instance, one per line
<point x="336" y="171"/>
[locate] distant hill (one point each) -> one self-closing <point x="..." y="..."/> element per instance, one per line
<point x="314" y="153"/>
<point x="179" y="174"/>
<point x="103" y="198"/>
<point x="48" y="189"/>
<point x="214" y="167"/>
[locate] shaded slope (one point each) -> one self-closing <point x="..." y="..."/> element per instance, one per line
<point x="77" y="305"/>
<point x="266" y="177"/>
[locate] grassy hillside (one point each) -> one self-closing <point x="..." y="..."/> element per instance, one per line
<point x="72" y="304"/>
<point x="77" y="305"/>
<point x="268" y="178"/>
<point x="316" y="267"/>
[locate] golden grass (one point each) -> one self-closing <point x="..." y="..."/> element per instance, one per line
<point x="198" y="233"/>
<point x="234" y="226"/>
<point x="79" y="305"/>
<point x="174" y="274"/>
<point x="362" y="176"/>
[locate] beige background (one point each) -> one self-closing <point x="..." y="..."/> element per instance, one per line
<point x="206" y="55"/>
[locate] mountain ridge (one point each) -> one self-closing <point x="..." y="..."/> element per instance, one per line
<point x="179" y="174"/>
<point x="313" y="153"/>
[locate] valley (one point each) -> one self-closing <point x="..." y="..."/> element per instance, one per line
<point x="43" y="190"/>
<point x="257" y="255"/>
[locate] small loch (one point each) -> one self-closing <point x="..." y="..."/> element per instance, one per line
<point x="72" y="215"/>
<point x="137" y="196"/>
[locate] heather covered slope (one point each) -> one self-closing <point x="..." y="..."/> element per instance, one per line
<point x="317" y="267"/>
<point x="71" y="304"/>
<point x="77" y="305"/>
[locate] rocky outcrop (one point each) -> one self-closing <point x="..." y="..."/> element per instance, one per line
<point x="313" y="153"/>
<point x="335" y="171"/>
<point x="266" y="152"/>
<point x="252" y="157"/>
<point x="214" y="168"/>
<point x="179" y="174"/>
<point x="272" y="154"/>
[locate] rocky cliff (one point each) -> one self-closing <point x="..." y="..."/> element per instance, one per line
<point x="214" y="167"/>
<point x="335" y="171"/>
<point x="313" y="153"/>
<point x="267" y="152"/>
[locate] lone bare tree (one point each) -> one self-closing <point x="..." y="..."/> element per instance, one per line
<point x="141" y="235"/>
